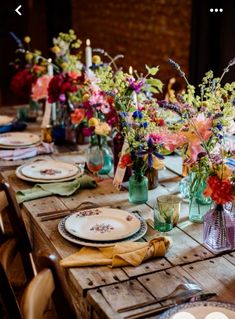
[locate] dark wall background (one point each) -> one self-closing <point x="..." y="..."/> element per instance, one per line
<point x="145" y="31"/>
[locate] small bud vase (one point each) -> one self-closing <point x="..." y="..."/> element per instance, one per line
<point x="138" y="189"/>
<point x="218" y="229"/>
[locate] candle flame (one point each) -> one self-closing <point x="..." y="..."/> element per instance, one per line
<point x="130" y="70"/>
<point x="88" y="42"/>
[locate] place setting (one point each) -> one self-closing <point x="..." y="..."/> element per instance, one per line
<point x="22" y="145"/>
<point x="102" y="227"/>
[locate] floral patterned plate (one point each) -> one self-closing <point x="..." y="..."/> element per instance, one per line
<point x="18" y="139"/>
<point x="35" y="180"/>
<point x="84" y="242"/>
<point x="46" y="170"/>
<point x="201" y="310"/>
<point x="102" y="224"/>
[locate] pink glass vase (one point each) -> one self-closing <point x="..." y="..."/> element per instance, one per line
<point x="218" y="229"/>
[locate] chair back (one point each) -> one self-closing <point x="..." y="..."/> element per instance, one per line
<point x="19" y="229"/>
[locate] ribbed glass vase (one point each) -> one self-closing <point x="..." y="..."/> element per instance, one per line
<point x="218" y="229"/>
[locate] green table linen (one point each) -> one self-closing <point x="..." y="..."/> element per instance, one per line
<point x="62" y="189"/>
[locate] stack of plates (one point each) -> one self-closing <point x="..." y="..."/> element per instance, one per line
<point x="15" y="140"/>
<point x="102" y="227"/>
<point x="48" y="172"/>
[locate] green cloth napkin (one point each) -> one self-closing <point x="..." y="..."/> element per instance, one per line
<point x="62" y="188"/>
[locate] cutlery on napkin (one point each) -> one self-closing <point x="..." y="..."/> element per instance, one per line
<point x="60" y="188"/>
<point x="119" y="255"/>
<point x="23" y="153"/>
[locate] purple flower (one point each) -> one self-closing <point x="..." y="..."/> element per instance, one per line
<point x="144" y="125"/>
<point x="62" y="98"/>
<point x="136" y="86"/>
<point x="219" y="126"/>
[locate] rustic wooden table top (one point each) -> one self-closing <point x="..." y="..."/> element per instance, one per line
<point x="98" y="292"/>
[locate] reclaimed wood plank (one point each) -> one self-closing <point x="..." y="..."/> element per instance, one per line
<point x="230" y="257"/>
<point x="107" y="300"/>
<point x="184" y="248"/>
<point x="215" y="275"/>
<point x="147" y="267"/>
<point x="162" y="283"/>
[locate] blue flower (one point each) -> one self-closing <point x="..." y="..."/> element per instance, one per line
<point x="123" y="114"/>
<point x="137" y="114"/>
<point x="144" y="125"/>
<point x="219" y="126"/>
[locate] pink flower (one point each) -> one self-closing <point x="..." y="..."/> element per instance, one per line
<point x="40" y="88"/>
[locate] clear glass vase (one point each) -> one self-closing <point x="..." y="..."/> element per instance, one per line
<point x="138" y="189"/>
<point x="198" y="203"/>
<point x="218" y="229"/>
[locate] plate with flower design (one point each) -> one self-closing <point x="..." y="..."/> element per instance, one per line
<point x="102" y="224"/>
<point x="46" y="170"/>
<point x="18" y="139"/>
<point x="201" y="310"/>
<point x="90" y="243"/>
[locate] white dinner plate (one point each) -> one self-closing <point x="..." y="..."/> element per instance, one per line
<point x="84" y="242"/>
<point x="201" y="310"/>
<point x="18" y="139"/>
<point x="46" y="170"/>
<point x="4" y="119"/>
<point x="35" y="180"/>
<point x="102" y="224"/>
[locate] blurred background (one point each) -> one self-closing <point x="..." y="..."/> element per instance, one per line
<point x="144" y="31"/>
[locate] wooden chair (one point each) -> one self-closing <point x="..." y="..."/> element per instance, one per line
<point x="44" y="286"/>
<point x="19" y="230"/>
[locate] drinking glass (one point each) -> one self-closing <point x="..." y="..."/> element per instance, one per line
<point x="94" y="159"/>
<point x="166" y="209"/>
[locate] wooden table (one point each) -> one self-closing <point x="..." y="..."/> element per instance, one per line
<point x="98" y="292"/>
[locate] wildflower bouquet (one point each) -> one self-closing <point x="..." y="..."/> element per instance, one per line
<point x="205" y="120"/>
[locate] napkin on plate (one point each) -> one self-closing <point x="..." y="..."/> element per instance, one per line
<point x="60" y="188"/>
<point x="122" y="254"/>
<point x="22" y="153"/>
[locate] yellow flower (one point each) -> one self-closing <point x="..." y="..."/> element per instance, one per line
<point x="85" y="97"/>
<point x="96" y="59"/>
<point x="27" y="39"/>
<point x="102" y="129"/>
<point x="28" y="56"/>
<point x="93" y="121"/>
<point x="157" y="163"/>
<point x="64" y="65"/>
<point x="56" y="49"/>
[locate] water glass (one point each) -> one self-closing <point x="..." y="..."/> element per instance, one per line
<point x="166" y="209"/>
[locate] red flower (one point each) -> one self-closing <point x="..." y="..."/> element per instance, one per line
<point x="21" y="83"/>
<point x="125" y="161"/>
<point x="59" y="86"/>
<point x="220" y="190"/>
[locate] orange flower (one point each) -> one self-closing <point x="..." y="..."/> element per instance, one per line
<point x="77" y="116"/>
<point x="125" y="161"/>
<point x="220" y="190"/>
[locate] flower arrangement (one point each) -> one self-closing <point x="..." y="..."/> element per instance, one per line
<point x="29" y="66"/>
<point x="205" y="121"/>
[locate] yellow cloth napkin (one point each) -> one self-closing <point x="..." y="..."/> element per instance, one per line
<point x="122" y="254"/>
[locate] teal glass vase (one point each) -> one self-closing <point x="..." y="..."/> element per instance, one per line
<point x="198" y="203"/>
<point x="107" y="159"/>
<point x="138" y="189"/>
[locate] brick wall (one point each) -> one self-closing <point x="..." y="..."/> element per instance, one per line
<point x="145" y="31"/>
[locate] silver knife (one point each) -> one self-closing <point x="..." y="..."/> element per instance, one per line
<point x="155" y="311"/>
